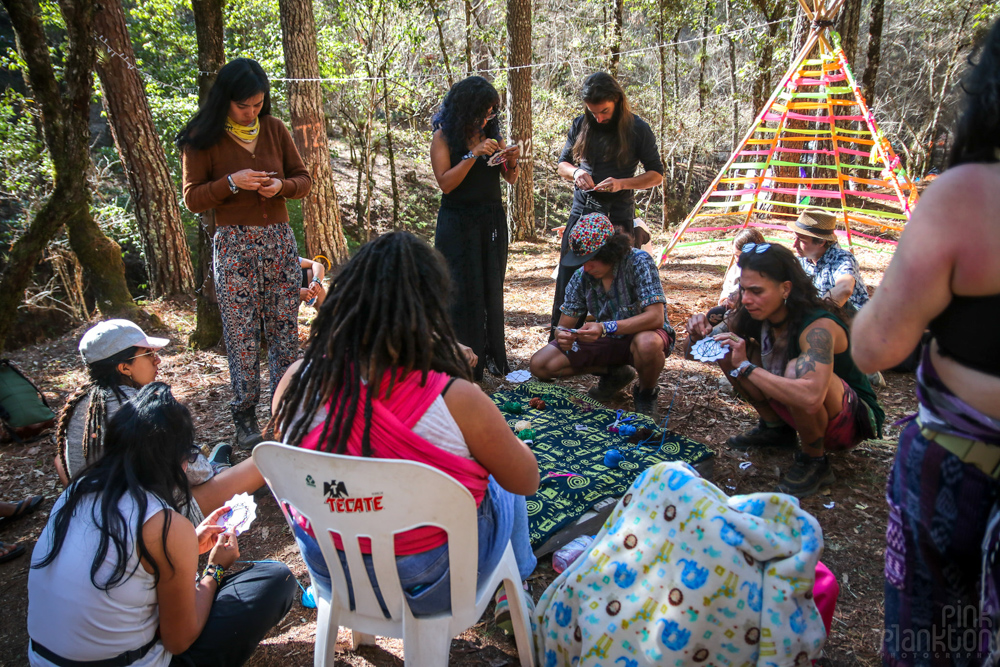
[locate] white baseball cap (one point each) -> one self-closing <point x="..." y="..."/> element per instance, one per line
<point x="110" y="337"/>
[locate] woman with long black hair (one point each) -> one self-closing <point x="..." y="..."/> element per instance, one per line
<point x="114" y="578"/>
<point x="241" y="161"/>
<point x="469" y="157"/>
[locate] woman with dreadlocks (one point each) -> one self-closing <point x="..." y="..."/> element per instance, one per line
<point x="469" y="157"/>
<point x="121" y="359"/>
<point x="382" y="354"/>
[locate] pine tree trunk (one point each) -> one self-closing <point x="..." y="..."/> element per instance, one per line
<point x="432" y="4"/>
<point x="703" y="55"/>
<point x="65" y="123"/>
<point x="320" y="210"/>
<point x="618" y="12"/>
<point x="661" y="32"/>
<point x="158" y="215"/>
<point x="522" y="205"/>
<point x="874" y="50"/>
<point x="390" y="149"/>
<point x="208" y="25"/>
<point x="468" y="37"/>
<point x="848" y="26"/>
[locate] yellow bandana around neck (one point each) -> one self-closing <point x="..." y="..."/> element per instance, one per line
<point x="245" y="133"/>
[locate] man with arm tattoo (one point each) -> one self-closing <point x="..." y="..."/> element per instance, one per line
<point x="790" y="358"/>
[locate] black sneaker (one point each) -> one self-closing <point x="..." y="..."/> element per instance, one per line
<point x="247" y="429"/>
<point x="806" y="476"/>
<point x="220" y="455"/>
<point x="764" y="436"/>
<point x="644" y="402"/>
<point x="610" y="384"/>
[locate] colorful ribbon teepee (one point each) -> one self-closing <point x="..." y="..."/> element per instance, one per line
<point x="815" y="144"/>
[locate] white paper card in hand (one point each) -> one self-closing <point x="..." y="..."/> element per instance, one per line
<point x="242" y="512"/>
<point x="709" y="349"/>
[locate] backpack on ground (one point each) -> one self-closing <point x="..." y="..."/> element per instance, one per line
<point x="24" y="412"/>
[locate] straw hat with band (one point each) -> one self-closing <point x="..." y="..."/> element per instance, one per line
<point x="816" y="223"/>
<point x="587" y="237"/>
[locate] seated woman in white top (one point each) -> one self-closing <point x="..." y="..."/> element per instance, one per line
<point x="114" y="578"/>
<point x="121" y="359"/>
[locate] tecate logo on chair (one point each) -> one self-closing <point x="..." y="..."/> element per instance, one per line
<point x="339" y="500"/>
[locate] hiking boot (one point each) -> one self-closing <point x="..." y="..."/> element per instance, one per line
<point x="806" y="476"/>
<point x="219" y="458"/>
<point x="762" y="435"/>
<point x="610" y="384"/>
<point x="644" y="402"/>
<point x="247" y="429"/>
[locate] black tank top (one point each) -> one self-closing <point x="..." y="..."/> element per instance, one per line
<point x="480" y="186"/>
<point x="955" y="330"/>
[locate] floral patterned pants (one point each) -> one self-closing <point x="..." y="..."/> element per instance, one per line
<point x="257" y="278"/>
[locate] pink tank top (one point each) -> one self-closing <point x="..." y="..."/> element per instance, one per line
<point x="392" y="437"/>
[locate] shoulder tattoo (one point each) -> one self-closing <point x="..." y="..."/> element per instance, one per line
<point x="820" y="352"/>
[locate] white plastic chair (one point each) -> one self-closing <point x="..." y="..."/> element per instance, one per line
<point x="410" y="494"/>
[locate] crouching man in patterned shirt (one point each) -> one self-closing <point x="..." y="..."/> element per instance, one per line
<point x="620" y="287"/>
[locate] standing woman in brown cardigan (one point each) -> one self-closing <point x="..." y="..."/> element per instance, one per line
<point x="240" y="160"/>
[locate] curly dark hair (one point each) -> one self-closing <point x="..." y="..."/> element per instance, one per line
<point x="462" y="112"/>
<point x="238" y="80"/>
<point x="615" y="250"/>
<point x="602" y="87"/>
<point x="977" y="136"/>
<point x="780" y="264"/>
<point x="387" y="310"/>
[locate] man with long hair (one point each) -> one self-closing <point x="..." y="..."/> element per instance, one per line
<point x="603" y="148"/>
<point x="790" y="357"/>
<point x="620" y="286"/>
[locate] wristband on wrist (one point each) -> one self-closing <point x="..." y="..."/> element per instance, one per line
<point x="468" y="155"/>
<point x="317" y="281"/>
<point x="214" y="571"/>
<point x="747" y="370"/>
<point x="610" y="327"/>
<point x="232" y="185"/>
<point x="575" y="171"/>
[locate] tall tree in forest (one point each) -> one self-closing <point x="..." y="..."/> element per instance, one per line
<point x="519" y="33"/>
<point x="774" y="11"/>
<point x="65" y="128"/>
<point x="874" y="50"/>
<point x="157" y="213"/>
<point x="208" y="26"/>
<point x="432" y="5"/>
<point x="848" y="26"/>
<point x="618" y="18"/>
<point x="320" y="210"/>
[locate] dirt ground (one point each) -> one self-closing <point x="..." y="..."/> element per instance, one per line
<point x="853" y="514"/>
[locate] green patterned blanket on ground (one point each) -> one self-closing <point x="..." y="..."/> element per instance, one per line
<point x="571" y="436"/>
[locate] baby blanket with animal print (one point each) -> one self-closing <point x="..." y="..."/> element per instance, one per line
<point x="681" y="574"/>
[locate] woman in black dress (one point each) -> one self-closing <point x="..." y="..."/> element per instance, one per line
<point x="469" y="157"/>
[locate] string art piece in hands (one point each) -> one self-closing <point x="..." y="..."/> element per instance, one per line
<point x="496" y="159"/>
<point x="242" y="512"/>
<point x="709" y="349"/>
